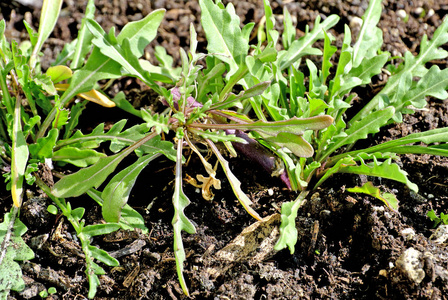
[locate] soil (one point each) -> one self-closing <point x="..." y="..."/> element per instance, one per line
<point x="349" y="245"/>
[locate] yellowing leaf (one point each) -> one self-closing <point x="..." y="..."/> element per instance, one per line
<point x="207" y="183"/>
<point x="98" y="98"/>
<point x="92" y="95"/>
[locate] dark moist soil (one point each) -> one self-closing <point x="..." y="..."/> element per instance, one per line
<point x="348" y="246"/>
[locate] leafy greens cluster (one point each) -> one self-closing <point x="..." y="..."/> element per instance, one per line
<point x="300" y="131"/>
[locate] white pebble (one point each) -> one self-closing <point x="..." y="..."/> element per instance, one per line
<point x="401" y="13"/>
<point x="408" y="233"/>
<point x="409" y="263"/>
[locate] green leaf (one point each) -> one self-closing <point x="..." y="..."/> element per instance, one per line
<point x="294" y="125"/>
<point x="296" y="143"/>
<point x="368" y="188"/>
<point x="19" y="156"/>
<point x="84" y="39"/>
<point x="145" y="30"/>
<point x="130" y="218"/>
<point x="17" y="250"/>
<point x="303" y="46"/>
<point x="288" y="230"/>
<point x="77" y="157"/>
<point x="370" y="37"/>
<point x="99" y="66"/>
<point x="225" y="39"/>
<point x="43" y="148"/>
<point x="76" y="184"/>
<point x="100" y="229"/>
<point x="369" y="67"/>
<point x="341" y="163"/>
<point x="117" y="191"/>
<point x="329" y="50"/>
<point x="434" y="83"/>
<point x="414" y="66"/>
<point x="121" y="102"/>
<point x="59" y="73"/>
<point x="385" y="169"/>
<point x="180" y="221"/>
<point x="360" y="130"/>
<point x="103" y="256"/>
<point x="253" y="91"/>
<point x="438" y="135"/>
<point x="48" y="17"/>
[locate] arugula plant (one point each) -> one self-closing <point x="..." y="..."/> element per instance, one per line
<point x="194" y="116"/>
<point x="304" y="125"/>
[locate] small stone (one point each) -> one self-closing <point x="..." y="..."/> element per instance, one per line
<point x="355" y="22"/>
<point x="440" y="236"/>
<point x="270" y="192"/>
<point x="431" y="13"/>
<point x="408" y="233"/>
<point x="409" y="263"/>
<point x="401" y="13"/>
<point x="430" y="196"/>
<point x="418" y="11"/>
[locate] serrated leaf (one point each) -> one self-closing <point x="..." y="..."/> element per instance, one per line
<point x="369" y="67"/>
<point x="225" y="39"/>
<point x="117" y="191"/>
<point x="17" y="250"/>
<point x="415" y="66"/>
<point x="370" y="37"/>
<point x="368" y="188"/>
<point x="234" y="182"/>
<point x="361" y="129"/>
<point x="288" y="230"/>
<point x="99" y="66"/>
<point x="385" y="169"/>
<point x="434" y="83"/>
<point x="180" y="221"/>
<point x="303" y="46"/>
<point x="43" y="148"/>
<point x="341" y="163"/>
<point x="438" y="135"/>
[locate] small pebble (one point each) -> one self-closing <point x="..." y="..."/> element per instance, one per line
<point x="355" y="22"/>
<point x="409" y="263"/>
<point x="431" y="13"/>
<point x="440" y="236"/>
<point x="401" y="13"/>
<point x="418" y="11"/>
<point x="408" y="233"/>
<point x="270" y="192"/>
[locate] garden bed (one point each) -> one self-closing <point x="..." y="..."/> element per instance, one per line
<point x="348" y="244"/>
